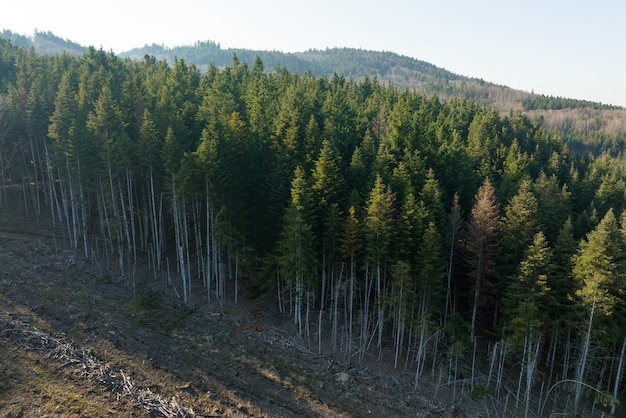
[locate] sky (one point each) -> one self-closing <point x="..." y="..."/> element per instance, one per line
<point x="568" y="48"/>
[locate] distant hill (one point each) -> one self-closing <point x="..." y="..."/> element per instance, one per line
<point x="569" y="115"/>
<point x="44" y="43"/>
<point x="387" y="67"/>
<point x="353" y="63"/>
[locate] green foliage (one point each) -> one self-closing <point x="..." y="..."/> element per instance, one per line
<point x="320" y="179"/>
<point x="518" y="227"/>
<point x="378" y="223"/>
<point x="479" y="393"/>
<point x="599" y="266"/>
<point x="528" y="294"/>
<point x="544" y="102"/>
<point x="146" y="301"/>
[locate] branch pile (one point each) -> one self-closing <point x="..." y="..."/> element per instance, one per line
<point x="92" y="369"/>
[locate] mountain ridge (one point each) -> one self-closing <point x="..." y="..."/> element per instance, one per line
<point x="403" y="72"/>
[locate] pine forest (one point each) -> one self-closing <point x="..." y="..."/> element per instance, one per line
<point x="470" y="249"/>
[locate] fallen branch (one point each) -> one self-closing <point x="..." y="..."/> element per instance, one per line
<point x="92" y="369"/>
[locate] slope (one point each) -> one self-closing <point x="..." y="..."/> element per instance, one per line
<point x="74" y="344"/>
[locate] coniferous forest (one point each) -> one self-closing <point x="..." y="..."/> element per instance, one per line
<point x="464" y="247"/>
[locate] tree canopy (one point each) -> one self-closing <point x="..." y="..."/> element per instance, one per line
<point x="336" y="191"/>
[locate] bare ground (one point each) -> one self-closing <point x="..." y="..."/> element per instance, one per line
<point x="77" y="341"/>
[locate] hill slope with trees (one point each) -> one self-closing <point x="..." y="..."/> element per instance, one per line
<point x="588" y="126"/>
<point x="464" y="248"/>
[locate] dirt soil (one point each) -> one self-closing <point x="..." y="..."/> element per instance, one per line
<point x="78" y="341"/>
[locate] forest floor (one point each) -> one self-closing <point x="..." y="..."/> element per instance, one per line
<point x="77" y="341"/>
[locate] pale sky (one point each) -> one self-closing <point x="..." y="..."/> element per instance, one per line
<point x="572" y="48"/>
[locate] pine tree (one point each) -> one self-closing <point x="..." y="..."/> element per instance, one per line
<point x="296" y="247"/>
<point x="517" y="228"/>
<point x="514" y="172"/>
<point x="66" y="158"/>
<point x="561" y="282"/>
<point x="481" y="249"/>
<point x="107" y="129"/>
<point x="454" y="232"/>
<point x="149" y="161"/>
<point x="482" y="243"/>
<point x="484" y="141"/>
<point x="526" y="302"/>
<point x="351" y="248"/>
<point x="553" y="204"/>
<point x="378" y="226"/>
<point x="431" y="195"/>
<point x="326" y="179"/>
<point x="430" y="290"/>
<point x="598" y="268"/>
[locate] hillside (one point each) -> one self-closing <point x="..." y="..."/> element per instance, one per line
<point x="386" y="67"/>
<point x="74" y="344"/>
<point x="44" y="43"/>
<point x="352" y="63"/>
<point x="273" y="237"/>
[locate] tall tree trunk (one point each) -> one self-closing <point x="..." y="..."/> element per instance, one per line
<point x="380" y="309"/>
<point x="618" y="374"/>
<point x="580" y="373"/>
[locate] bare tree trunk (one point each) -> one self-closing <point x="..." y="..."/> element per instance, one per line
<point x="37" y="182"/>
<point x="380" y="309"/>
<point x="131" y="211"/>
<point x="365" y="315"/>
<point x="618" y="375"/>
<point x="179" y="236"/>
<point x="298" y="303"/>
<point x="421" y="345"/>
<point x="580" y="374"/>
<point x="501" y="369"/>
<point x="400" y="324"/>
<point x="351" y="304"/>
<point x="3" y="177"/>
<point x="322" y="302"/>
<point x="209" y="246"/>
<point x="455" y="225"/>
<point x="336" y="293"/>
<point x="156" y="230"/>
<point x="566" y="356"/>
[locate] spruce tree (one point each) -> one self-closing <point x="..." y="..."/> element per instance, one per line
<point x="598" y="268"/>
<point x="517" y="228"/>
<point x="481" y="249"/>
<point x="296" y="247"/>
<point x="379" y="233"/>
<point x="482" y="244"/>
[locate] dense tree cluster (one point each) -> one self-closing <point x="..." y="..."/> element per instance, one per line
<point x="541" y="101"/>
<point x="469" y="248"/>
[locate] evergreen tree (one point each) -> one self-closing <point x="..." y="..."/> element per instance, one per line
<point x="553" y="204"/>
<point x="561" y="282"/>
<point x="484" y="142"/>
<point x="351" y="247"/>
<point x="379" y="233"/>
<point x="412" y="222"/>
<point x="526" y="299"/>
<point x="327" y="182"/>
<point x="598" y="267"/>
<point x="296" y="247"/>
<point x="431" y="271"/>
<point x="515" y="170"/>
<point x="455" y="228"/>
<point x="517" y="227"/>
<point x="481" y="250"/>
<point x="528" y="292"/>
<point x="431" y="195"/>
